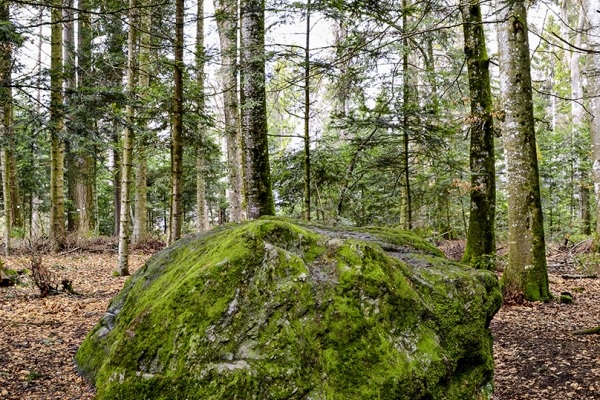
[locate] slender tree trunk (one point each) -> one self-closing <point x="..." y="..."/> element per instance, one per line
<point x="5" y="125"/>
<point x="57" y="146"/>
<point x="176" y="141"/>
<point x="407" y="203"/>
<point x="128" y="142"/>
<point x="480" y="250"/>
<point x="202" y="223"/>
<point x="117" y="174"/>
<point x="69" y="60"/>
<point x="578" y="122"/>
<point x="36" y="220"/>
<point x="593" y="74"/>
<point x="307" y="117"/>
<point x="226" y="15"/>
<point x="140" y="218"/>
<point x="526" y="270"/>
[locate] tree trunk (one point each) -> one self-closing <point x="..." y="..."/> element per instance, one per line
<point x="578" y="122"/>
<point x="593" y="74"/>
<point x="526" y="270"/>
<point x="202" y="223"/>
<point x="226" y="15"/>
<point x="5" y="125"/>
<point x="128" y="141"/>
<point x="57" y="146"/>
<point x="406" y="89"/>
<point x="140" y="217"/>
<point x="176" y="141"/>
<point x="480" y="250"/>
<point x="307" y="117"/>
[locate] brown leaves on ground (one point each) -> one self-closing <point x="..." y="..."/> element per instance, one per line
<point x="536" y="355"/>
<point x="39" y="336"/>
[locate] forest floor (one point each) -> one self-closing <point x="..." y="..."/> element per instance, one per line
<point x="536" y="355"/>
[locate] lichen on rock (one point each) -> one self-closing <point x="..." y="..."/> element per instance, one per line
<point x="279" y="309"/>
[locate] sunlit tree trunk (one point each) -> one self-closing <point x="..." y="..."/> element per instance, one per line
<point x="255" y="144"/>
<point x="177" y="138"/>
<point x="481" y="244"/>
<point x="226" y="15"/>
<point x="57" y="146"/>
<point x="140" y="218"/>
<point x="128" y="142"/>
<point x="526" y="270"/>
<point x="202" y="223"/>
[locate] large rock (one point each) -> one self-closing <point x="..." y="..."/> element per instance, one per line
<point x="273" y="310"/>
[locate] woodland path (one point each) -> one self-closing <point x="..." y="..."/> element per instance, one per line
<point x="536" y="356"/>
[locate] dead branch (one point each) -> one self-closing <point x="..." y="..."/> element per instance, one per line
<point x="590" y="276"/>
<point x="591" y="331"/>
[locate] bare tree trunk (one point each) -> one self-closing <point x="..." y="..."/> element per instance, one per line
<point x="480" y="250"/>
<point x="202" y="223"/>
<point x="128" y="142"/>
<point x="5" y="125"/>
<point x="140" y="218"/>
<point x="578" y="122"/>
<point x="226" y="15"/>
<point x="593" y="74"/>
<point x="176" y="141"/>
<point x="526" y="270"/>
<point x="307" y="116"/>
<point x="407" y="201"/>
<point x="57" y="146"/>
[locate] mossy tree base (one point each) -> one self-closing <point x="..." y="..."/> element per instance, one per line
<point x="272" y="310"/>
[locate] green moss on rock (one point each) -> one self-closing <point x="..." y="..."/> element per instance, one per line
<point x="273" y="310"/>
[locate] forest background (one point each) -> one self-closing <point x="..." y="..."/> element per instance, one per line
<point x="368" y="108"/>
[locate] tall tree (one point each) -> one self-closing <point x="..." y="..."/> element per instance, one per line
<point x="255" y="145"/>
<point x="593" y="73"/>
<point x="140" y="218"/>
<point x="128" y="141"/>
<point x="526" y="271"/>
<point x="202" y="223"/>
<point x="406" y="99"/>
<point x="307" y="116"/>
<point x="6" y="121"/>
<point x="577" y="115"/>
<point x="177" y="138"/>
<point x="481" y="243"/>
<point x="57" y="145"/>
<point x="80" y="160"/>
<point x="226" y="16"/>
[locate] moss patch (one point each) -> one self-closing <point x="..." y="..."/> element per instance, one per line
<point x="270" y="309"/>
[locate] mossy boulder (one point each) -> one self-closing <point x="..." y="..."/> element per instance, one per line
<point x="271" y="309"/>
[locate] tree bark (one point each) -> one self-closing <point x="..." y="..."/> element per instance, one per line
<point x="202" y="223"/>
<point x="177" y="139"/>
<point x="307" y="117"/>
<point x="128" y="142"/>
<point x="6" y="125"/>
<point x="255" y="144"/>
<point x="406" y="91"/>
<point x="526" y="270"/>
<point x="57" y="146"/>
<point x="140" y="217"/>
<point x="593" y="74"/>
<point x="226" y="15"/>
<point x="480" y="250"/>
